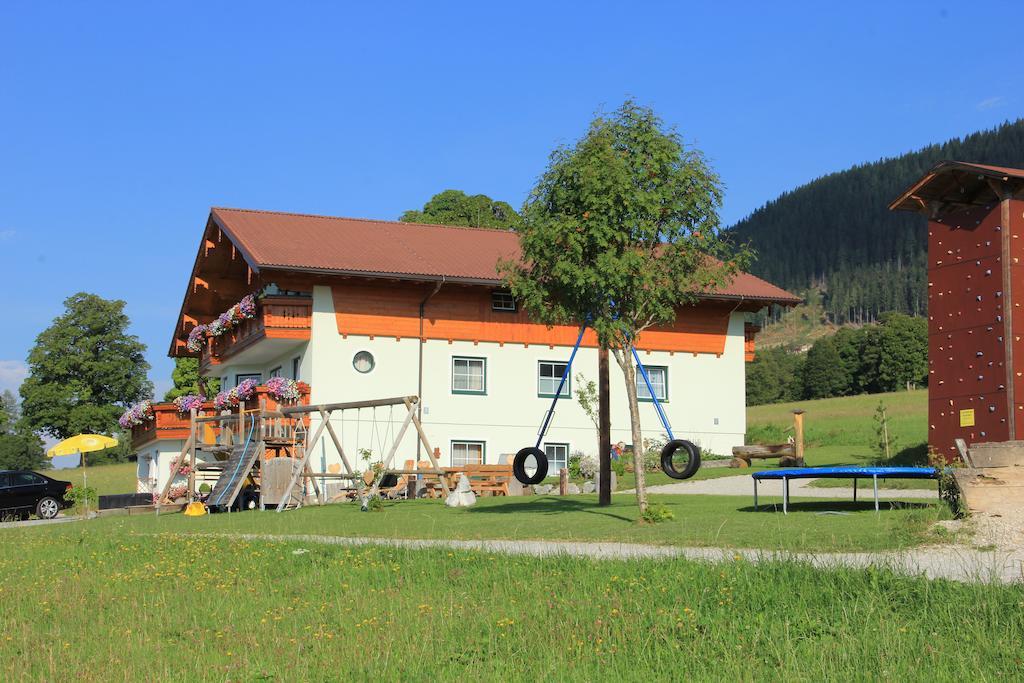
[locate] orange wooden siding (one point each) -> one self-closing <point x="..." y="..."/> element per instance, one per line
<point x="749" y="334"/>
<point x="465" y="314"/>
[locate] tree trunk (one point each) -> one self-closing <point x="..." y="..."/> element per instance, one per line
<point x="604" y="441"/>
<point x="624" y="357"/>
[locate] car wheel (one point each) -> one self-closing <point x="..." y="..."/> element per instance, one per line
<point x="47" y="508"/>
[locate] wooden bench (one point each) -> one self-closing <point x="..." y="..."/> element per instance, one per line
<point x="785" y="452"/>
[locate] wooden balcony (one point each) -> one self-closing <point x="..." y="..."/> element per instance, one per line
<point x="283" y="317"/>
<point x="169" y="424"/>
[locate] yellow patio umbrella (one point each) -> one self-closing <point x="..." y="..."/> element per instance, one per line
<point x="80" y="445"/>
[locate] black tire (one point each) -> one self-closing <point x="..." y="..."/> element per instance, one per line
<point x="692" y="463"/>
<point x="47" y="508"/>
<point x="519" y="466"/>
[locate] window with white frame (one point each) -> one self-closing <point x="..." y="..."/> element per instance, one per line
<point x="549" y="374"/>
<point x="659" y="381"/>
<point x="467" y="453"/>
<point x="296" y="362"/>
<point x="469" y="375"/>
<point x="276" y="372"/>
<point x="242" y="377"/>
<point x="503" y="301"/>
<point x="558" y="456"/>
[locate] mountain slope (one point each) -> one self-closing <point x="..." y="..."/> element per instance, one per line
<point x="837" y="233"/>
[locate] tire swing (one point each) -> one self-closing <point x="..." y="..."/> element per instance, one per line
<point x="692" y="452"/>
<point x="519" y="461"/>
<point x="692" y="462"/>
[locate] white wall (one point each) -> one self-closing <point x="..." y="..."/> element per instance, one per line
<point x="703" y="388"/>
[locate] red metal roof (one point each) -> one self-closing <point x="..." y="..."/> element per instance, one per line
<point x="357" y="246"/>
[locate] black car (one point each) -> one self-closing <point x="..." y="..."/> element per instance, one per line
<point x="23" y="493"/>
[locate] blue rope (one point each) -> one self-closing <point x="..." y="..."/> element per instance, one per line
<point x="231" y="481"/>
<point x="650" y="390"/>
<point x="561" y="385"/>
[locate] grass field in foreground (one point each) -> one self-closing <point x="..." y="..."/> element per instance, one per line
<point x="94" y="603"/>
<point x="727" y="521"/>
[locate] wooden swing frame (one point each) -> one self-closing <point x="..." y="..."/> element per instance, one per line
<point x="325" y="411"/>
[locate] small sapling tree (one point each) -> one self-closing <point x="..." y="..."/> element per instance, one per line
<point x="621" y="232"/>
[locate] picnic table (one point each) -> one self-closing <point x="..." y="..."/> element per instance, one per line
<point x="493" y="479"/>
<point x="846" y="472"/>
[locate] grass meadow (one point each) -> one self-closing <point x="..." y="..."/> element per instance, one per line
<point x="106" y="479"/>
<point x="102" y="602"/>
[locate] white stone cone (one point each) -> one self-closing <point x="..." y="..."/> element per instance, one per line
<point x="462" y="496"/>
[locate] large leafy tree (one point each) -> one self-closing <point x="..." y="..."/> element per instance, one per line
<point x="455" y="207"/>
<point x="83" y="370"/>
<point x="20" y="449"/>
<point x="187" y="380"/>
<point x="622" y="232"/>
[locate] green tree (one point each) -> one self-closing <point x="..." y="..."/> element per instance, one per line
<point x="8" y="411"/>
<point x="455" y="207"/>
<point x="774" y="376"/>
<point x="19" y="448"/>
<point x="187" y="380"/>
<point x="22" y="452"/>
<point x="822" y="370"/>
<point x="83" y="370"/>
<point x="621" y="231"/>
<point x="903" y="352"/>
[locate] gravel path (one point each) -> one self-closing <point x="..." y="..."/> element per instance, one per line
<point x="955" y="563"/>
<point x="798" y="488"/>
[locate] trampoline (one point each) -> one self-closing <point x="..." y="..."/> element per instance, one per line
<point x="855" y="473"/>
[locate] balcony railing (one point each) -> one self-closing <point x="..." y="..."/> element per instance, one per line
<point x="168" y="423"/>
<point x="276" y="318"/>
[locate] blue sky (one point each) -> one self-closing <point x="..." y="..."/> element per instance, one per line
<point x="121" y="124"/>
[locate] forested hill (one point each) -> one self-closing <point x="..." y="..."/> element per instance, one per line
<point x="837" y="233"/>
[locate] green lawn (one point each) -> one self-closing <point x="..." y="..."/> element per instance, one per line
<point x="93" y="602"/>
<point x="840" y="431"/>
<point x="728" y="521"/>
<point x="106" y="479"/>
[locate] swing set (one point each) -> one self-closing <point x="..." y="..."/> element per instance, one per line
<point x="668" y="452"/>
<point x="325" y="412"/>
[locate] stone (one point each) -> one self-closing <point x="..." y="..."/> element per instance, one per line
<point x="542" y="489"/>
<point x="572" y="490"/>
<point x="589" y="486"/>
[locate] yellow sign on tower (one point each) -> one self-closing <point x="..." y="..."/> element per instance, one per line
<point x="967" y="417"/>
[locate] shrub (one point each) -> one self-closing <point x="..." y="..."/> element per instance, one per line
<point x="81" y="497"/>
<point x="657" y="513"/>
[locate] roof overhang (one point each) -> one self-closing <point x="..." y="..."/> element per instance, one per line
<point x="952" y="186"/>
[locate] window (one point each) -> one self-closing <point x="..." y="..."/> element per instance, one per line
<point x="363" y="362"/>
<point x="659" y="381"/>
<point x="241" y="378"/>
<point x="296" y="362"/>
<point x="558" y="456"/>
<point x="276" y="372"/>
<point x="469" y="375"/>
<point x="467" y="453"/>
<point x="26" y="479"/>
<point x="503" y="301"/>
<point x="549" y="374"/>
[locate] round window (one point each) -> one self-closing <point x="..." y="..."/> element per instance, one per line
<point x="363" y="361"/>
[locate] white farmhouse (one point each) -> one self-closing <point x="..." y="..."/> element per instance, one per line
<point x="363" y="309"/>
